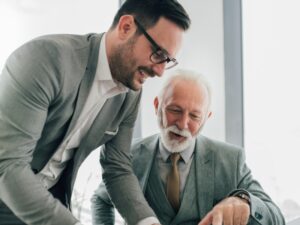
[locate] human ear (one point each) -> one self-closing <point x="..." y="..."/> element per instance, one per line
<point x="126" y="27"/>
<point x="156" y="103"/>
<point x="209" y="114"/>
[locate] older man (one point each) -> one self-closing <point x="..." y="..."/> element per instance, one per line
<point x="188" y="178"/>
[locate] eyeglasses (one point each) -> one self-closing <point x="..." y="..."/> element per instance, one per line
<point x="159" y="55"/>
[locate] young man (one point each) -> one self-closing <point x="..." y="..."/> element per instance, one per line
<point x="61" y="96"/>
<point x="188" y="178"/>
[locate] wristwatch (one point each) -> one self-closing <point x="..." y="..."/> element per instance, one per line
<point x="243" y="195"/>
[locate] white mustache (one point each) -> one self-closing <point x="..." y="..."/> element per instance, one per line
<point x="185" y="133"/>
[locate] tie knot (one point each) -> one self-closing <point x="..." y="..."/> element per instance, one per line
<point x="174" y="158"/>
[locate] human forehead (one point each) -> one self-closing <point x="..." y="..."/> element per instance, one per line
<point x="185" y="94"/>
<point x="167" y="35"/>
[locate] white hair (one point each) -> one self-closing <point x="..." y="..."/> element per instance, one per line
<point x="188" y="75"/>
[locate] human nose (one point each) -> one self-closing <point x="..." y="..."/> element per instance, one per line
<point x="159" y="69"/>
<point x="183" y="122"/>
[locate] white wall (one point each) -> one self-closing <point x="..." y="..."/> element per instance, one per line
<point x="271" y="96"/>
<point x="22" y="20"/>
<point x="202" y="51"/>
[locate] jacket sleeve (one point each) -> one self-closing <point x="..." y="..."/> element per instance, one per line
<point x="120" y="181"/>
<point x="263" y="210"/>
<point x="28" y="84"/>
<point x="102" y="208"/>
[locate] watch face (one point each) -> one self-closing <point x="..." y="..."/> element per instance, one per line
<point x="244" y="197"/>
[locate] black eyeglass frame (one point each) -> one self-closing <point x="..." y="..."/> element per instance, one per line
<point x="157" y="48"/>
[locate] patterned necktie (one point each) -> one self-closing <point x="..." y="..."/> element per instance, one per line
<point x="173" y="182"/>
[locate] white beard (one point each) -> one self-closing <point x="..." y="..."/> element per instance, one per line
<point x="173" y="145"/>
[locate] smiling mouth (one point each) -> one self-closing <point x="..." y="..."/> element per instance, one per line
<point x="143" y="76"/>
<point x="176" y="136"/>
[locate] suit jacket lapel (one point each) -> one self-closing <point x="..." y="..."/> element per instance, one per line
<point x="108" y="113"/>
<point x="204" y="160"/>
<point x="143" y="161"/>
<point x="204" y="168"/>
<point x="93" y="137"/>
<point x="87" y="80"/>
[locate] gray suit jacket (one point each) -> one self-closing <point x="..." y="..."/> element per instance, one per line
<point x="220" y="170"/>
<point x="43" y="88"/>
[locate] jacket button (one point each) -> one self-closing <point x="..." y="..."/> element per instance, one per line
<point x="258" y="216"/>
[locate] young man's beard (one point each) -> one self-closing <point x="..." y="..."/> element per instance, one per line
<point x="123" y="64"/>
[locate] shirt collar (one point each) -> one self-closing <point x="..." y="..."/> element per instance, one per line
<point x="103" y="73"/>
<point x="186" y="154"/>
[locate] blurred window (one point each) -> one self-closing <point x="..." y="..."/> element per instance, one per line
<point x="271" y="49"/>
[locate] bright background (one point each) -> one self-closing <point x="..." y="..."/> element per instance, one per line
<point x="271" y="100"/>
<point x="270" y="53"/>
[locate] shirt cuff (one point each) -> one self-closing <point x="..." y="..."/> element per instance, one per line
<point x="148" y="221"/>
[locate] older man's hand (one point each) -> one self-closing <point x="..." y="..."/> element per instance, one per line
<point x="230" y="211"/>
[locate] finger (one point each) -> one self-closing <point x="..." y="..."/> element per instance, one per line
<point x="228" y="215"/>
<point x="237" y="215"/>
<point x="207" y="220"/>
<point x="245" y="214"/>
<point x="217" y="218"/>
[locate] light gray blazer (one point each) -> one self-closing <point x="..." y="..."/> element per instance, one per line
<point x="43" y="88"/>
<point x="220" y="170"/>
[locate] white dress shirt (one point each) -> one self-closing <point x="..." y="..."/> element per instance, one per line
<point x="103" y="88"/>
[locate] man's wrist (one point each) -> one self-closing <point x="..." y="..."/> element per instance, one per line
<point x="243" y="195"/>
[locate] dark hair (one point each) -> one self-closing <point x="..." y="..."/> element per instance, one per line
<point x="148" y="12"/>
